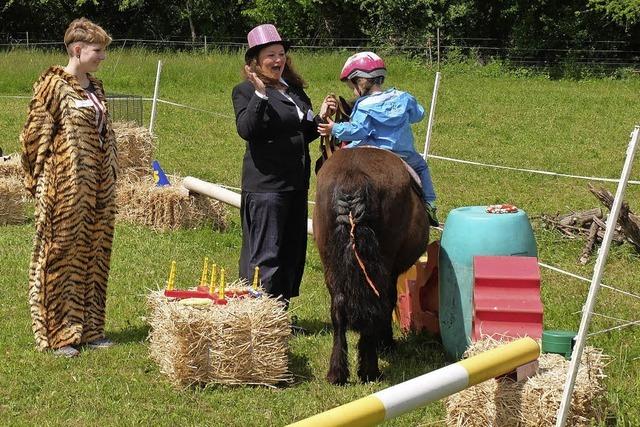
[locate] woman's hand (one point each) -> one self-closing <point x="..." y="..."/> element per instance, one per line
<point x="324" y="129"/>
<point x="329" y="106"/>
<point x="255" y="81"/>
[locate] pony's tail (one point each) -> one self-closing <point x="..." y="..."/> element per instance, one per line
<point x="360" y="276"/>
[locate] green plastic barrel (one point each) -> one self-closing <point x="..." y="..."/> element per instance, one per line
<point x="471" y="231"/>
<point x="558" y="342"/>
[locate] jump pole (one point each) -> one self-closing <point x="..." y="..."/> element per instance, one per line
<point x="222" y="194"/>
<point x="409" y="395"/>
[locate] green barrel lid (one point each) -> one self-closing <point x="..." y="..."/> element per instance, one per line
<point x="559" y="342"/>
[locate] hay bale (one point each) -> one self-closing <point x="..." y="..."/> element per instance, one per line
<point x="10" y="166"/>
<point x="12" y="201"/>
<point x="166" y="208"/>
<point x="243" y="342"/>
<point x="533" y="402"/>
<point x="136" y="146"/>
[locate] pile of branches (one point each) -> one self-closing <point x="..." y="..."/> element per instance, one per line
<point x="591" y="224"/>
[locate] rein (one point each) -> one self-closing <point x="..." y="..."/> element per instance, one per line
<point x="355" y="251"/>
<point x="329" y="143"/>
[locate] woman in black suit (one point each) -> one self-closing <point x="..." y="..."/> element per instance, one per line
<point x="274" y="117"/>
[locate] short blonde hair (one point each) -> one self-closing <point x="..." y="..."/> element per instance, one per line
<point x="83" y="30"/>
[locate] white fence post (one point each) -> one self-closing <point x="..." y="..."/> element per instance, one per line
<point x="587" y="310"/>
<point x="432" y="111"/>
<point x="154" y="105"/>
<point x="438" y="42"/>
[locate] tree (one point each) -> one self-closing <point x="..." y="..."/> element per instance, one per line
<point x="625" y="13"/>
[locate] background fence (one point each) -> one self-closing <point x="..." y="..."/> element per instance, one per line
<point x="598" y="54"/>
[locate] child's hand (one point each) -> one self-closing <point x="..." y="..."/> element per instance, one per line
<point x="329" y="106"/>
<point x="324" y="129"/>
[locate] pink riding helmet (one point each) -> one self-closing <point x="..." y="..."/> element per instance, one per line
<point x="363" y="64"/>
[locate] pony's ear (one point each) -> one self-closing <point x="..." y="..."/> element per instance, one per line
<point x="346" y="106"/>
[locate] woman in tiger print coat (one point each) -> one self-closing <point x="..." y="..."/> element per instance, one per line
<point x="69" y="160"/>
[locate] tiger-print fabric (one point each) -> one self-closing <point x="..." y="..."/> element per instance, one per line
<point x="72" y="175"/>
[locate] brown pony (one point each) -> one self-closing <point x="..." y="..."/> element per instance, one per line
<point x="370" y="225"/>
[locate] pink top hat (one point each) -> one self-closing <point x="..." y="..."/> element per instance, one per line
<point x="262" y="36"/>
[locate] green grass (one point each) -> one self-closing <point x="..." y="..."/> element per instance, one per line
<point x="483" y="114"/>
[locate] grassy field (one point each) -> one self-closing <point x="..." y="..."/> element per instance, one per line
<point x="484" y="114"/>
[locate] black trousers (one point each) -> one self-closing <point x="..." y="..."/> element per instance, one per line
<point x="274" y="237"/>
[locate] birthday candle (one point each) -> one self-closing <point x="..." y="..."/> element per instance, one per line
<point x="214" y="278"/>
<point x="221" y="289"/>
<point x="203" y="278"/>
<point x="172" y="276"/>
<point x="256" y="277"/>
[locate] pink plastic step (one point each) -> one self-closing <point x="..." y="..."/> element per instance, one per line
<point x="507" y="297"/>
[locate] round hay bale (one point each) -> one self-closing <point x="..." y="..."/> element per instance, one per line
<point x="535" y="401"/>
<point x="10" y="166"/>
<point x="243" y="342"/>
<point x="12" y="201"/>
<point x="166" y="208"/>
<point x="135" y="146"/>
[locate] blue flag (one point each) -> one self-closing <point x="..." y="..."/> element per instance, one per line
<point x="158" y="175"/>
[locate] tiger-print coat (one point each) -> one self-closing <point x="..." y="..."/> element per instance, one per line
<point x="72" y="175"/>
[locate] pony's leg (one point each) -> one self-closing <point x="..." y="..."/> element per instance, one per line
<point x="368" y="356"/>
<point x="387" y="343"/>
<point x="338" y="366"/>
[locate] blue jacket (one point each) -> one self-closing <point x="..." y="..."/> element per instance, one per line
<point x="382" y="120"/>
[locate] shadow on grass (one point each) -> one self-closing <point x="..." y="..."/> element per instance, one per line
<point x="300" y="368"/>
<point x="413" y="355"/>
<point x="312" y="327"/>
<point x="130" y="334"/>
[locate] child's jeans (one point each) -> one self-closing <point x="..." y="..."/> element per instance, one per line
<point x="419" y="165"/>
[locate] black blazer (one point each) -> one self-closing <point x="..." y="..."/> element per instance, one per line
<point x="277" y="141"/>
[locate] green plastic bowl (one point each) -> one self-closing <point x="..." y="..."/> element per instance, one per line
<point x="558" y="342"/>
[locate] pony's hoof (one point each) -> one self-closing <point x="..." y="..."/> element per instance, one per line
<point x="336" y="379"/>
<point x="370" y="377"/>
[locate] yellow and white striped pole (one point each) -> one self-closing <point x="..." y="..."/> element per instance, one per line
<point x="409" y="395"/>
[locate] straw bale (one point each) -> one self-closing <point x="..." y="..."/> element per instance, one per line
<point x="172" y="207"/>
<point x="10" y="166"/>
<point x="136" y="147"/>
<point x="535" y="401"/>
<point x="12" y="201"/>
<point x="243" y="342"/>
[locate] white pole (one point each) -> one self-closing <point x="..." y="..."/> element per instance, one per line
<point x="432" y="111"/>
<point x="438" y="42"/>
<point x="154" y="105"/>
<point x="212" y="190"/>
<point x="205" y="44"/>
<point x="220" y="193"/>
<point x="587" y="310"/>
